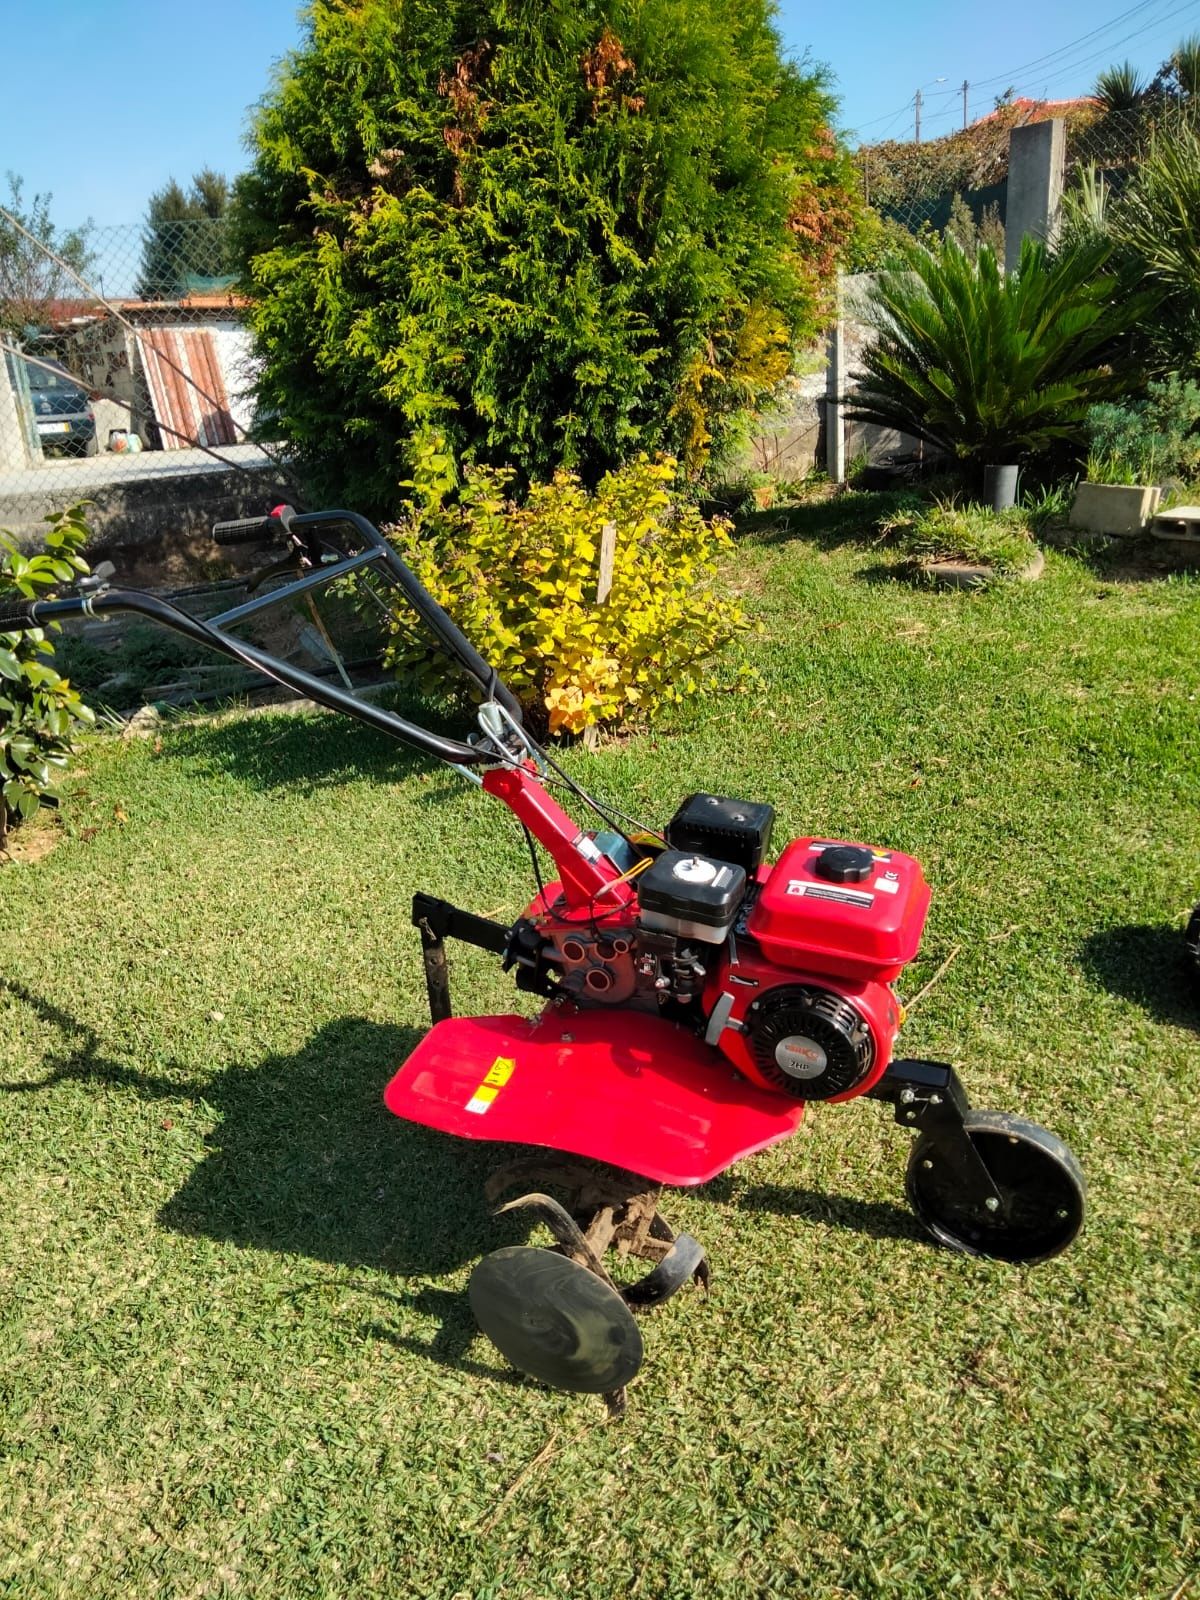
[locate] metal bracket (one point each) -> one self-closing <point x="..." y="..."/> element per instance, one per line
<point x="437" y="920"/>
<point x="928" y="1096"/>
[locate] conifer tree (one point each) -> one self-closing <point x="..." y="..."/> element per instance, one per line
<point x="187" y="237"/>
<point x="554" y="231"/>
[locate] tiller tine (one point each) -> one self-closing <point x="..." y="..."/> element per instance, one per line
<point x="564" y="1228"/>
<point x="684" y="1261"/>
<point x="557" y="1315"/>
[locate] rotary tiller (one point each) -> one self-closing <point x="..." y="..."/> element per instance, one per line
<point x="695" y="999"/>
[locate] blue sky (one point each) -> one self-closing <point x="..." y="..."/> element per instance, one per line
<point x="102" y="103"/>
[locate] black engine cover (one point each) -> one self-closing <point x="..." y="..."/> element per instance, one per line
<point x="809" y="1042"/>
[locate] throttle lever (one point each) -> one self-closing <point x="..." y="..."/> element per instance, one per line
<point x="96" y="579"/>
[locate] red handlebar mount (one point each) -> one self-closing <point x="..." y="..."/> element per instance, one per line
<point x="583" y="869"/>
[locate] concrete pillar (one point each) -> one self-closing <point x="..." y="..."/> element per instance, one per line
<point x="1036" y="170"/>
<point x="835" y="391"/>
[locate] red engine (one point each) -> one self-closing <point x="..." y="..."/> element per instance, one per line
<point x="804" y="1002"/>
<point x="787" y="970"/>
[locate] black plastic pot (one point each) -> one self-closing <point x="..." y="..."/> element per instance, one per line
<point x="1000" y="487"/>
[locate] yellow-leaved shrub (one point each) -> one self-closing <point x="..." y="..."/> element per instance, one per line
<point x="522" y="581"/>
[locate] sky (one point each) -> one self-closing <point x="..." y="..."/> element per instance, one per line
<point x="101" y="104"/>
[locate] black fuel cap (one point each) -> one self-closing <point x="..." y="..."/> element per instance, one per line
<point x="844" y="863"/>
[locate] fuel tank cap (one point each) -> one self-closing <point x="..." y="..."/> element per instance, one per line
<point x="695" y="869"/>
<point x="844" y="863"/>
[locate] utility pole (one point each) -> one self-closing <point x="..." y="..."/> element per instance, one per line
<point x="917" y="104"/>
<point x="965" y="87"/>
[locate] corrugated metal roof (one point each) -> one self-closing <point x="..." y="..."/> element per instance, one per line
<point x="187" y="387"/>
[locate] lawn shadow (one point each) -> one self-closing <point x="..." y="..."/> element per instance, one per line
<point x="877" y="1218"/>
<point x="898" y="571"/>
<point x="308" y="753"/>
<point x="305" y="1160"/>
<point x="1120" y="559"/>
<point x="1148" y="964"/>
<point x="845" y="519"/>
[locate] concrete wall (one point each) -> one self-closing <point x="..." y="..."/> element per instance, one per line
<point x="863" y="439"/>
<point x="156" y="525"/>
<point x="789" y="440"/>
<point x="14" y="452"/>
<point x="794" y="436"/>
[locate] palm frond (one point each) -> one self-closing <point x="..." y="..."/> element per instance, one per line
<point x="994" y="367"/>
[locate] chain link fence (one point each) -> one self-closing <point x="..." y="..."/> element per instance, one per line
<point x="125" y="369"/>
<point x="912" y="187"/>
<point x="958" y="183"/>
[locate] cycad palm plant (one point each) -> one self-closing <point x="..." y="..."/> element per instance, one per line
<point x="995" y="368"/>
<point x="1158" y="223"/>
<point x="1120" y="88"/>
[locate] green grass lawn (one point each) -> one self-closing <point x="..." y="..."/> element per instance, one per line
<point x="235" y="1354"/>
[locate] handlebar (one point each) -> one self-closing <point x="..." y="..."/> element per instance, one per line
<point x="453" y="751"/>
<point x="325" y="563"/>
<point x="252" y="530"/>
<point x="242" y="530"/>
<point x="16" y="616"/>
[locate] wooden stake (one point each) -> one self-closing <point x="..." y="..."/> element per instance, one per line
<point x="608" y="555"/>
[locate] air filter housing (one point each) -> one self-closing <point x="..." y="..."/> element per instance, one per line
<point x="691" y="896"/>
<point x="731" y="830"/>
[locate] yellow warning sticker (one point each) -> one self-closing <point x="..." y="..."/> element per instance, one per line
<point x="500" y="1071"/>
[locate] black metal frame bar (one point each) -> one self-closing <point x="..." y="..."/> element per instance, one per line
<point x="328" y="563"/>
<point x="311" y="580"/>
<point x="436" y="921"/>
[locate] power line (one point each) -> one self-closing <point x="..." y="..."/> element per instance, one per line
<point x="891" y="117"/>
<point x="888" y="116"/>
<point x="1066" y="49"/>
<point x="1060" y="70"/>
<point x="1105" y="53"/>
<point x="1061" y="50"/>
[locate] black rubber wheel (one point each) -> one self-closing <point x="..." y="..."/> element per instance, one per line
<point x="1041" y="1188"/>
<point x="555" y="1320"/>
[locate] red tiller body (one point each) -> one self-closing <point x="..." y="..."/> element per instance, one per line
<point x="867" y="930"/>
<point x="585" y="871"/>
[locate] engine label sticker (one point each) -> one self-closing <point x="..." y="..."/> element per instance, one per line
<point x="888" y="883"/>
<point x="498" y="1074"/>
<point x="830" y="891"/>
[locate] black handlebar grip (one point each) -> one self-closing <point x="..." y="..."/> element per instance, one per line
<point x="16" y="616"/>
<point x="244" y="530"/>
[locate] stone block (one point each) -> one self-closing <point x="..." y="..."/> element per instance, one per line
<point x="1115" y="509"/>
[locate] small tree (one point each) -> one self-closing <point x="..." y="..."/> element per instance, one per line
<point x="558" y="234"/>
<point x="187" y="236"/>
<point x="971" y="235"/>
<point x="30" y="278"/>
<point x="39" y="710"/>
